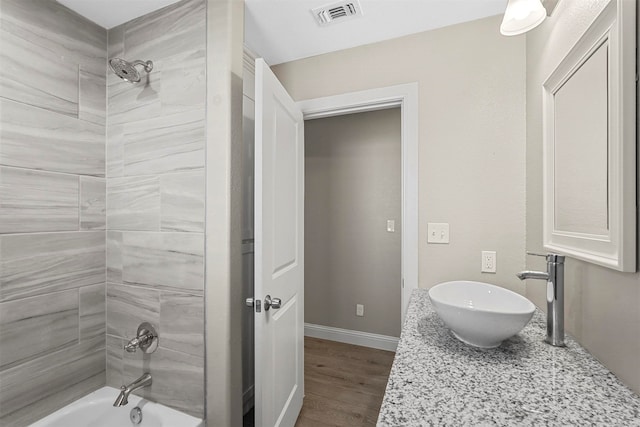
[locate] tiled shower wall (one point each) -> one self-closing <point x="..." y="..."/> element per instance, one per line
<point x="155" y="204"/>
<point x="54" y="305"/>
<point x="52" y="208"/>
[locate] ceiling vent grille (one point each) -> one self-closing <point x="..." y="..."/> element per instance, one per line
<point x="337" y="12"/>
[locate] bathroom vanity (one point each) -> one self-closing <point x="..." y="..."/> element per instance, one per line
<point x="438" y="380"/>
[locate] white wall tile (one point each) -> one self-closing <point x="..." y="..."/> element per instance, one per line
<point x="92" y="203"/>
<point x="92" y="96"/>
<point x="164" y="144"/>
<point x="35" y="264"/>
<point x="133" y="203"/>
<point x="164" y="260"/>
<point x="128" y="307"/>
<point x="182" y="202"/>
<point x="35" y="76"/>
<point x="92" y="311"/>
<point x="182" y="322"/>
<point x="49" y="321"/>
<point x="40" y="139"/>
<point x="37" y="201"/>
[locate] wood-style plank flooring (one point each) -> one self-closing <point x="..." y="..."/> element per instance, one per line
<point x="344" y="384"/>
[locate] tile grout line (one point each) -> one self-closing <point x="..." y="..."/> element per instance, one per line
<point x="153" y="288"/>
<point x="57" y="291"/>
<point x="78" y="73"/>
<point x="79" y="317"/>
<point x="79" y="204"/>
<point x="46" y="171"/>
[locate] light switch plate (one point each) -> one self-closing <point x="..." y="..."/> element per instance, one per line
<point x="391" y="226"/>
<point x="359" y="310"/>
<point x="438" y="232"/>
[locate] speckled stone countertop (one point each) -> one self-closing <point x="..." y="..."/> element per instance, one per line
<point x="437" y="380"/>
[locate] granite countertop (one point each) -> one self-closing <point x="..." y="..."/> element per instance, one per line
<point x="437" y="380"/>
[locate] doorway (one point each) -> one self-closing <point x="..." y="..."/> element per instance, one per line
<point x="404" y="96"/>
<point x="353" y="226"/>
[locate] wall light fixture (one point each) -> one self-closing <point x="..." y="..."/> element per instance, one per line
<point x="522" y="16"/>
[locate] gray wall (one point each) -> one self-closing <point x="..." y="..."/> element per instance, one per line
<point x="52" y="208"/>
<point x="471" y="136"/>
<point x="352" y="187"/>
<point x="155" y="204"/>
<point x="601" y="307"/>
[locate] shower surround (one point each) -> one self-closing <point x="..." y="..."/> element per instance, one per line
<point x="52" y="208"/>
<point x="92" y="246"/>
<point x="155" y="204"/>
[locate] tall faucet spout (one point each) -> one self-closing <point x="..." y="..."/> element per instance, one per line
<point x="554" y="277"/>
<point x="527" y="274"/>
<point x="126" y="390"/>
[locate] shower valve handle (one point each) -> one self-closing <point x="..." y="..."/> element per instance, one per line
<point x="146" y="339"/>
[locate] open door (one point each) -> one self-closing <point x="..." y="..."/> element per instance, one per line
<point x="279" y="253"/>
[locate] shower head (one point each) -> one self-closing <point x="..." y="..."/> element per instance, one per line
<point x="127" y="70"/>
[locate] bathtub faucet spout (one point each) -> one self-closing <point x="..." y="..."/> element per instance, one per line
<point x="125" y="390"/>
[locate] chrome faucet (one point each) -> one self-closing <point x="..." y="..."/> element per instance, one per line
<point x="126" y="390"/>
<point x="554" y="277"/>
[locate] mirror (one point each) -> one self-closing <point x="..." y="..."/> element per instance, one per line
<point x="590" y="145"/>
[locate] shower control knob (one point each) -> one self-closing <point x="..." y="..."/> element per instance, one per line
<point x="146" y="339"/>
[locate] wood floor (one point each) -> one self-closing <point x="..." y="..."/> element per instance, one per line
<point x="344" y="384"/>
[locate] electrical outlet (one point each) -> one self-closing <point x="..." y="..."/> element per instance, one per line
<point x="488" y="262"/>
<point x="359" y="310"/>
<point x="391" y="226"/>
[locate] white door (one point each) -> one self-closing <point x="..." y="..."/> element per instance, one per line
<point x="279" y="253"/>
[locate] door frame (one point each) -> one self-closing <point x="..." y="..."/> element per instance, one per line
<point x="404" y="96"/>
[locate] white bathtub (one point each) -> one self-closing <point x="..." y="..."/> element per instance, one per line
<point x="96" y="410"/>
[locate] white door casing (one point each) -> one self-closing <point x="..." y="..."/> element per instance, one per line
<point x="279" y="252"/>
<point x="404" y="96"/>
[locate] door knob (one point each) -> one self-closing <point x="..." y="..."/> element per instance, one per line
<point x="274" y="303"/>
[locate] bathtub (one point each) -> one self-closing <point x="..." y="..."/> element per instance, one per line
<point x="96" y="410"/>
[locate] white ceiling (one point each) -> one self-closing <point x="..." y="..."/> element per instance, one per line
<point x="111" y="13"/>
<point x="285" y="30"/>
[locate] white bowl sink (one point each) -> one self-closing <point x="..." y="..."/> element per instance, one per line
<point x="480" y="314"/>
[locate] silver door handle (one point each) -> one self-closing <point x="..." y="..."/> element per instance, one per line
<point x="274" y="303"/>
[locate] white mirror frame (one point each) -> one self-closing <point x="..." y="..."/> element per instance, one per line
<point x="616" y="249"/>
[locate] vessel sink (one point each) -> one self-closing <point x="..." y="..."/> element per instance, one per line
<point x="480" y="314"/>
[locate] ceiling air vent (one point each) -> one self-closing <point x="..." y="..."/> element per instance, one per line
<point x="337" y="12"/>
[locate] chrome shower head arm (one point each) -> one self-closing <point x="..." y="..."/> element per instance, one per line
<point x="148" y="65"/>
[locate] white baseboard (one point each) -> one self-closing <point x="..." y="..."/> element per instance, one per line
<point x="366" y="339"/>
<point x="247" y="399"/>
